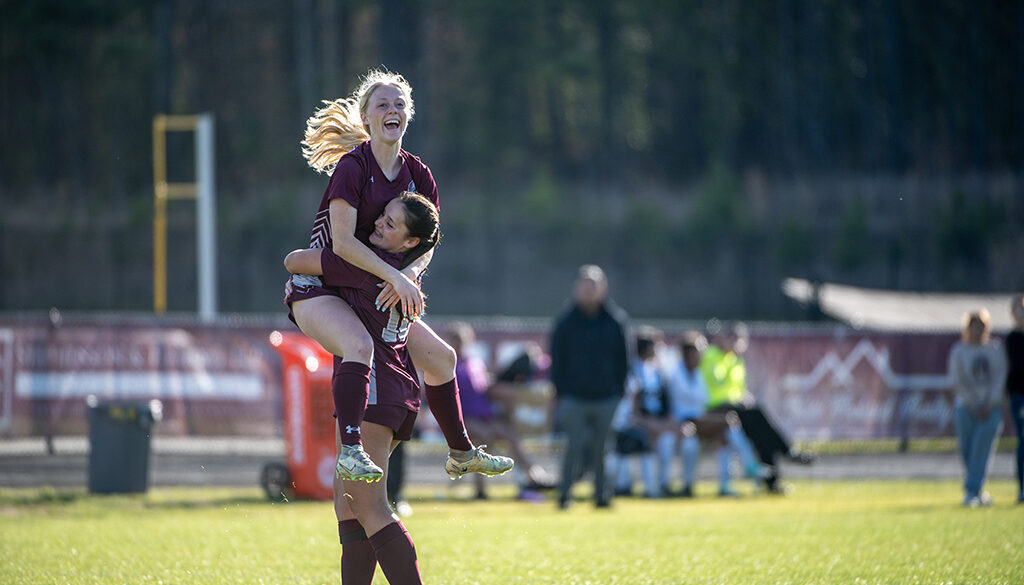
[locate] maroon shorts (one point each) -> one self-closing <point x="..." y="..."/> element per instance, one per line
<point x="397" y="418"/>
<point x="305" y="287"/>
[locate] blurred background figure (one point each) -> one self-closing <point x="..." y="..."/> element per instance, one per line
<point x="643" y="424"/>
<point x="486" y="407"/>
<point x="977" y="371"/>
<point x="1014" y="345"/>
<point x="719" y="429"/>
<point x="396" y="481"/>
<point x="522" y="393"/>
<point x="589" y="364"/>
<point x="725" y="374"/>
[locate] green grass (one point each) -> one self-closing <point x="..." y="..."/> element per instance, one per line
<point x="917" y="445"/>
<point x="826" y="532"/>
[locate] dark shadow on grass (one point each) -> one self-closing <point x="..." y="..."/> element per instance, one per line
<point x="40" y="496"/>
<point x="154" y="499"/>
<point x="191" y="503"/>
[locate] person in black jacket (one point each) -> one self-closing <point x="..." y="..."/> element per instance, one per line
<point x="1014" y="345"/>
<point x="589" y="364"/>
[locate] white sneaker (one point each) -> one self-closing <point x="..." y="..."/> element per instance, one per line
<point x="355" y="465"/>
<point x="403" y="509"/>
<point x="479" y="462"/>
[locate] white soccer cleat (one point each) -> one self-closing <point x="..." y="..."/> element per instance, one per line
<point x="479" y="462"/>
<point x="355" y="465"/>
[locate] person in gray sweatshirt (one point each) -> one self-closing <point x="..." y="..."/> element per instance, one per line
<point x="977" y="370"/>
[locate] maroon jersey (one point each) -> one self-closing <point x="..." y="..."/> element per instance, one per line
<point x="359" y="181"/>
<point x="393" y="378"/>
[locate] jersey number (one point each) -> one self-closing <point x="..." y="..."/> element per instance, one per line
<point x="398" y="327"/>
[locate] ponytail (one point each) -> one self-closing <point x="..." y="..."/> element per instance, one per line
<point x="331" y="132"/>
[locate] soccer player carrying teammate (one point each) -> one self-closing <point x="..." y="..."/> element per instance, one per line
<point x="370" y="532"/>
<point x="358" y="140"/>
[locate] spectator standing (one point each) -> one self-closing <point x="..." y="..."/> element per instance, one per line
<point x="589" y="364"/>
<point x="977" y="370"/>
<point x="1015" y="384"/>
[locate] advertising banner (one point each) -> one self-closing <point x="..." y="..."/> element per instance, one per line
<point x="854" y="386"/>
<point x="822" y="383"/>
<point x="210" y="380"/>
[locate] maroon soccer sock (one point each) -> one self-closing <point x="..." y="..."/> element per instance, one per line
<point x="350" y="387"/>
<point x="396" y="555"/>
<point x="447" y="410"/>
<point x="358" y="561"/>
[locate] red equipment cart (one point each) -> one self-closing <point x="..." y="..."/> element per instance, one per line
<point x="308" y="470"/>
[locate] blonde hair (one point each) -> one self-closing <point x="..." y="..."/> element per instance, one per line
<point x="981" y="316"/>
<point x="338" y="127"/>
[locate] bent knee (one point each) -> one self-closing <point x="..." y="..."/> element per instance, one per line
<point x="441" y="362"/>
<point x="358" y="346"/>
<point x="369" y="510"/>
<point x="732" y="419"/>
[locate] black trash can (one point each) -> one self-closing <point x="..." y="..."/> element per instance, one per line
<point x="119" y="445"/>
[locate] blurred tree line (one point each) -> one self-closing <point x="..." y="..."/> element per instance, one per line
<point x="700" y="151"/>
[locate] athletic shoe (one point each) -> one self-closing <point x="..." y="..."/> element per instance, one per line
<point x="479" y="462"/>
<point x="801" y="457"/>
<point x="758" y="471"/>
<point x="778" y="488"/>
<point x="972" y="501"/>
<point x="355" y="465"/>
<point x="528" y="495"/>
<point x="402" y="508"/>
<point x="539" y="479"/>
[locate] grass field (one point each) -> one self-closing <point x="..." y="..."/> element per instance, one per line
<point x="824" y="533"/>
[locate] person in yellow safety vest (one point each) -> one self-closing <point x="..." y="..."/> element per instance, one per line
<point x="725" y="375"/>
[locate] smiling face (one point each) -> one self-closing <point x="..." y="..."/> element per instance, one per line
<point x="390" y="232"/>
<point x="385" y="116"/>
